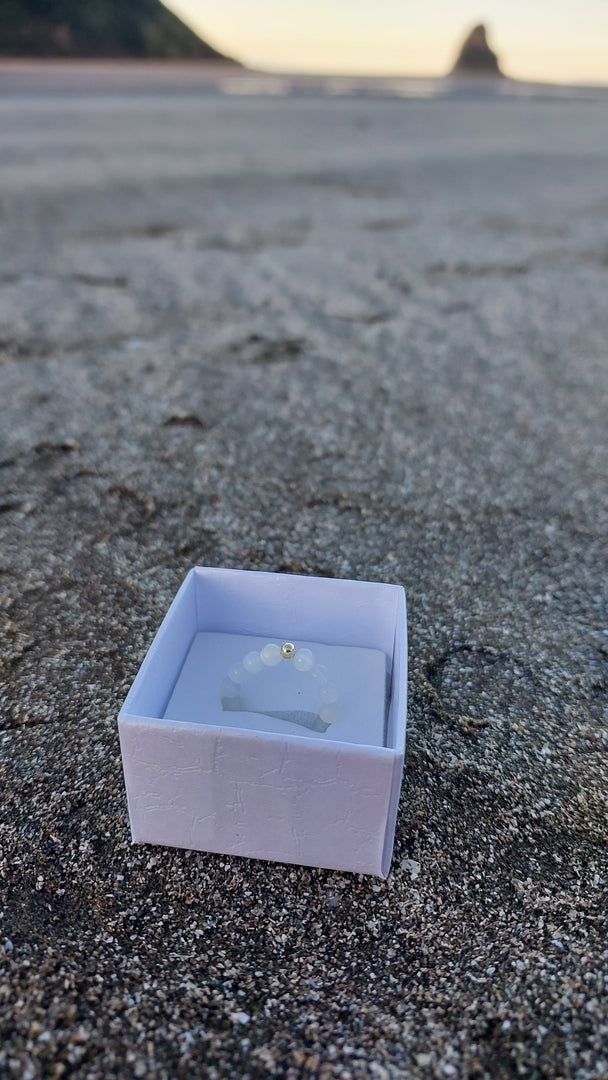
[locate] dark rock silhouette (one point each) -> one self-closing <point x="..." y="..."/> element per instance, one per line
<point x="476" y="57"/>
<point x="112" y="29"/>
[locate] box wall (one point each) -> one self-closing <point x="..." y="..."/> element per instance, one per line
<point x="289" y="606"/>
<point x="158" y="673"/>
<point x="257" y="795"/>
<point x="397" y="713"/>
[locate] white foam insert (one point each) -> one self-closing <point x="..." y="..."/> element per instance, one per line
<point x="358" y="675"/>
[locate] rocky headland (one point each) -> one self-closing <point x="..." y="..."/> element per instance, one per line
<point x="476" y="57"/>
<point x="102" y="29"/>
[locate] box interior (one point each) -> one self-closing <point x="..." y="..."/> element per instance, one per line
<point x="361" y="615"/>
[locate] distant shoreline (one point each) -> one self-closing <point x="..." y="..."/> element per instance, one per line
<point x="25" y="75"/>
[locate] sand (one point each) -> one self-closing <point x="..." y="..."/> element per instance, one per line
<point x="325" y="335"/>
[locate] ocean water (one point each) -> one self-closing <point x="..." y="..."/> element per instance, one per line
<point x="285" y="85"/>
<point x="82" y="77"/>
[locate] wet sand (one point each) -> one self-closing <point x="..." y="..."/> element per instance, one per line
<point x="327" y="335"/>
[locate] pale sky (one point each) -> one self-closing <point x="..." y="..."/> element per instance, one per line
<point x="542" y="40"/>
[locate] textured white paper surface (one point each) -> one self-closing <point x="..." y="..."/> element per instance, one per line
<point x="358" y="675"/>
<point x="255" y="794"/>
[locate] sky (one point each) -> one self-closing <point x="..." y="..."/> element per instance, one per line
<point x="540" y="40"/>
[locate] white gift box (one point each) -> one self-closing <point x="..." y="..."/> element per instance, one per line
<point x="250" y="779"/>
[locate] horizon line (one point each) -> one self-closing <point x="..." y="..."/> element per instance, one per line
<point x="237" y="66"/>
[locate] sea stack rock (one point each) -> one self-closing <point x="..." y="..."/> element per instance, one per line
<point x="476" y="57"/>
<point x="100" y="29"/>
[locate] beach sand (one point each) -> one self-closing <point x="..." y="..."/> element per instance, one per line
<point x="327" y="335"/>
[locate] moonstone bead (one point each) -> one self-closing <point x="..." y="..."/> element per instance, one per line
<point x="321" y="674"/>
<point x="252" y="663"/>
<point x="229" y="689"/>
<point x="237" y="673"/>
<point x="330" y="714"/>
<point x="270" y="655"/>
<point x="304" y="660"/>
<point x="329" y="694"/>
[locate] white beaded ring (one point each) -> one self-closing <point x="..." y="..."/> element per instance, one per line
<point x="303" y="661"/>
